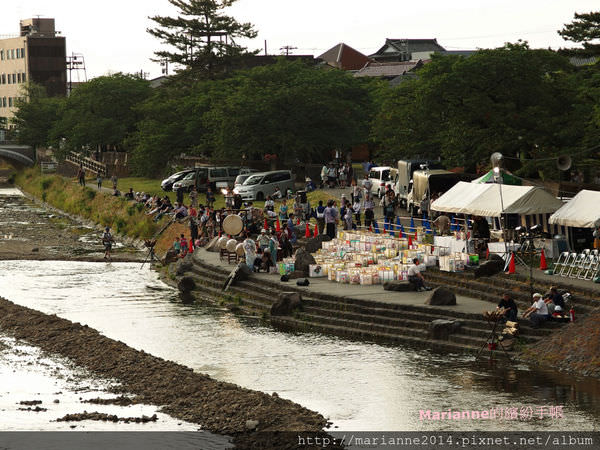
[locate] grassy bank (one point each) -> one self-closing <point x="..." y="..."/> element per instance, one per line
<point x="65" y="194"/>
<point x="573" y="348"/>
<point x="117" y="212"/>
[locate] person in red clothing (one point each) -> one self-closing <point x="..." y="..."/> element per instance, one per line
<point x="184" y="246"/>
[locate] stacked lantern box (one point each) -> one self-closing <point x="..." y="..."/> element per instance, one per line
<point x="457" y="262"/>
<point x="367" y="258"/>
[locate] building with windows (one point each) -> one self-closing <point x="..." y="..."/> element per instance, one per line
<point x="37" y="54"/>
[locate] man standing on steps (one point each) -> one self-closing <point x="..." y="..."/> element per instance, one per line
<point x="416" y="277"/>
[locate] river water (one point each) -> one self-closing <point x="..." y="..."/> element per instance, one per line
<point x="358" y="386"/>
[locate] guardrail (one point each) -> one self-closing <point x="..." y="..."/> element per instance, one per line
<point x="87" y="163"/>
<point x="48" y="166"/>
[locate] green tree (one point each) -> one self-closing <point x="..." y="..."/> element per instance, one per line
<point x="35" y="116"/>
<point x="585" y="30"/>
<point x="296" y="111"/>
<point x="100" y="113"/>
<point x="513" y="100"/>
<point x="171" y="124"/>
<point x="202" y="37"/>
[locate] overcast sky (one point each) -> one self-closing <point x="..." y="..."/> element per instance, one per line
<point x="111" y="34"/>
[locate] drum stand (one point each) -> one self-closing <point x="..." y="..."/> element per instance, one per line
<point x="493" y="339"/>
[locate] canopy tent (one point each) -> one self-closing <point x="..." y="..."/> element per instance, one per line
<point x="507" y="178"/>
<point x="484" y="200"/>
<point x="582" y="211"/>
<point x="523" y="200"/>
<point x="459" y="196"/>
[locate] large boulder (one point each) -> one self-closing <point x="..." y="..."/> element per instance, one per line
<point x="489" y="268"/>
<point x="441" y="297"/>
<point x="303" y="260"/>
<point x="186" y="284"/>
<point x="170" y="257"/>
<point x="184" y="265"/>
<point x="316" y="243"/>
<point x="399" y="286"/>
<point x="286" y="304"/>
<point x="442" y="329"/>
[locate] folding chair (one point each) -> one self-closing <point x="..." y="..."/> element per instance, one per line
<point x="560" y="262"/>
<point x="583" y="266"/>
<point x="576" y="264"/>
<point x="593" y="267"/>
<point x="571" y="257"/>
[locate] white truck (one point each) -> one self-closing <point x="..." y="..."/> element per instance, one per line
<point x="404" y="176"/>
<point x="429" y="183"/>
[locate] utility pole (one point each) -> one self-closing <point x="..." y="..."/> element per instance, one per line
<point x="287" y="49"/>
<point x="165" y="67"/>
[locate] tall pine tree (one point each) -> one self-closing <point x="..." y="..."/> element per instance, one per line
<point x="584" y="29"/>
<point x="202" y="37"/>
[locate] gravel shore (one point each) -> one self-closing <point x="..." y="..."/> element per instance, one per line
<point x="251" y="417"/>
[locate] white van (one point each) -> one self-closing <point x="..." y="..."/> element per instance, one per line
<point x="260" y="185"/>
<point x="380" y="176"/>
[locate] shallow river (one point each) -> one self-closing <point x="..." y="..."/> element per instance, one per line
<point x="358" y="386"/>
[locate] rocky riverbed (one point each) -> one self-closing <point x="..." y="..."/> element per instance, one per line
<point x="224" y="408"/>
<point x="36" y="232"/>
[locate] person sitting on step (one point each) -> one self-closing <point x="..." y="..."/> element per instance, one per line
<point x="416" y="277"/>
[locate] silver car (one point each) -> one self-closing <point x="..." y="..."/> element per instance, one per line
<point x="260" y="185"/>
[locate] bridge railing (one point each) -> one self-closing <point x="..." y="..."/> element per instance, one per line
<point x="87" y="163"/>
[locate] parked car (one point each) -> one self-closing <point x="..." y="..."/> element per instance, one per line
<point x="260" y="185"/>
<point x="379" y="176"/>
<point x="215" y="177"/>
<point x="239" y="180"/>
<point x="167" y="183"/>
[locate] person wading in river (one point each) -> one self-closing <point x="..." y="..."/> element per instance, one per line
<point x="108" y="241"/>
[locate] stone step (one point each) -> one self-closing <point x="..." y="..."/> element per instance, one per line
<point x="372" y="313"/>
<point x="293" y="324"/>
<point x="519" y="286"/>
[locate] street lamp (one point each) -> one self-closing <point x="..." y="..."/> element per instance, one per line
<point x="496" y="160"/>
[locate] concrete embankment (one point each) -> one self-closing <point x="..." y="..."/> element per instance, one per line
<point x="219" y="407"/>
<point x="369" y="313"/>
<point x="356" y="312"/>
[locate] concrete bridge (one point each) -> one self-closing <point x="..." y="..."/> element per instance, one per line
<point x="20" y="155"/>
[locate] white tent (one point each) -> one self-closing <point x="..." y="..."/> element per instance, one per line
<point x="522" y="200"/>
<point x="582" y="211"/>
<point x="459" y="196"/>
<point x="484" y="200"/>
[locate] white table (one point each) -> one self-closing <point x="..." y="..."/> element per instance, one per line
<point x="500" y="248"/>
<point x="451" y="243"/>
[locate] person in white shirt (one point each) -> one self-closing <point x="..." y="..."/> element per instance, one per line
<point x="324" y="172"/>
<point x="537" y="312"/>
<point x="416" y="277"/>
<point x="367" y="185"/>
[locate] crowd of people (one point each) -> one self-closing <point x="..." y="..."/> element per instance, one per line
<point x="544" y="307"/>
